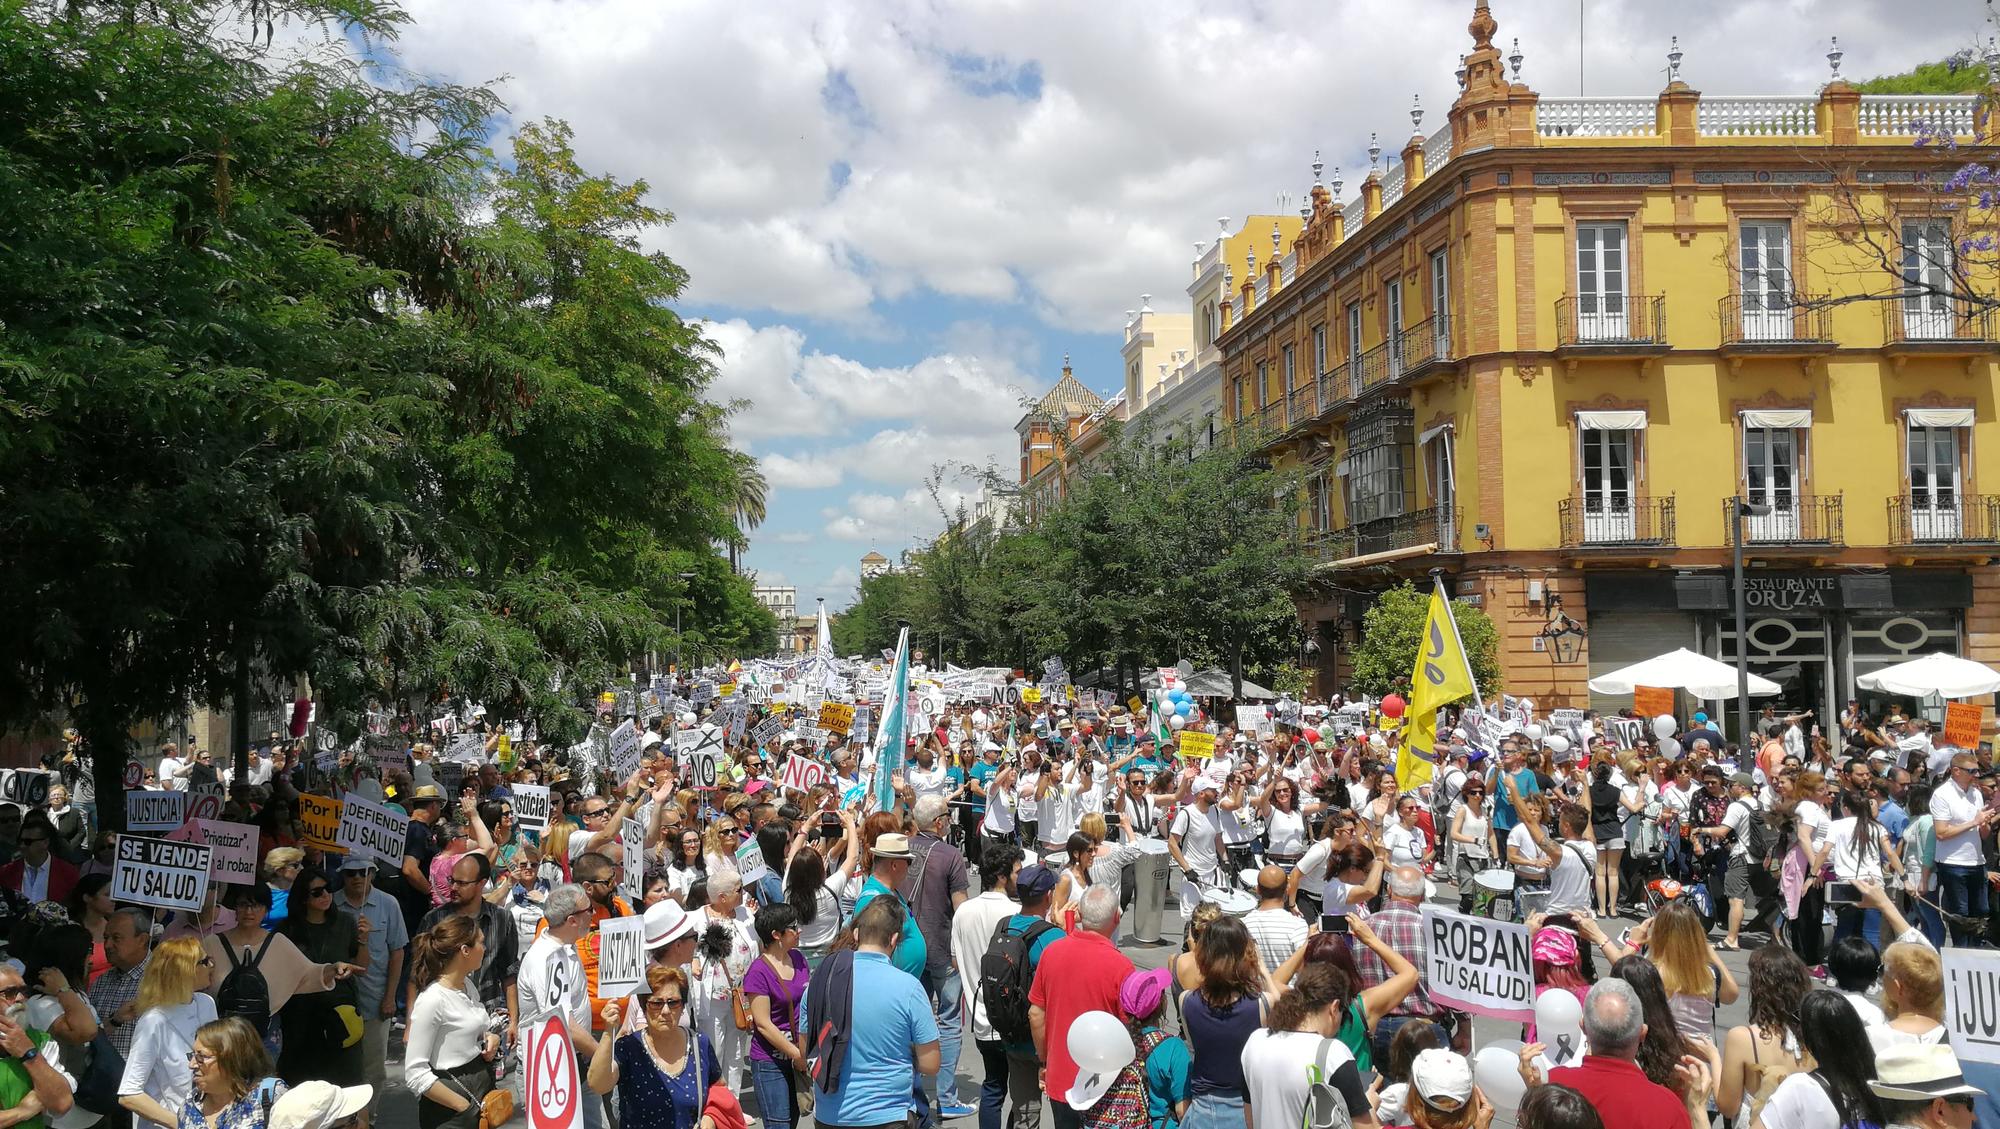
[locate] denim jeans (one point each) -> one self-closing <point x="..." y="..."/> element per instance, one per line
<point x="993" y="1087"/>
<point x="1854" y="921"/>
<point x="773" y="1084"/>
<point x="1212" y="1111"/>
<point x="1962" y="890"/>
<point x="947" y="1001"/>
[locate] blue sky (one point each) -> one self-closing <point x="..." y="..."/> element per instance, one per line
<point x="899" y="215"/>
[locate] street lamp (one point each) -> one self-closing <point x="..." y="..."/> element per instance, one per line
<point x="1738" y="510"/>
<point x="685" y="576"/>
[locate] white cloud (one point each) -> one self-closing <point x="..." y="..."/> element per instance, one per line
<point x="794" y="537"/>
<point x="808" y="472"/>
<point x="891" y="523"/>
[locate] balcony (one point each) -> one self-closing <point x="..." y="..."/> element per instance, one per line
<point x="1777" y="324"/>
<point x="1795" y="519"/>
<point x="1944" y="520"/>
<point x="1336" y="387"/>
<point x="1597" y="522"/>
<point x="1426" y="347"/>
<point x="1925" y="325"/>
<point x="1379" y="366"/>
<point x="1326" y="545"/>
<point x="1303" y="404"/>
<point x="1271" y="417"/>
<point x="1611" y="325"/>
<point x="1437" y="525"/>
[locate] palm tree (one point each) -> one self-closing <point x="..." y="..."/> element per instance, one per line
<point x="751" y="492"/>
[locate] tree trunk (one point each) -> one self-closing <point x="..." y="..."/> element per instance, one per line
<point x="239" y="716"/>
<point x="1236" y="666"/>
<point x="106" y="740"/>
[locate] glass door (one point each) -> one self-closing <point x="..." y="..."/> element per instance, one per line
<point x="1607" y="486"/>
<point x="1444" y="491"/>
<point x="1440" y="305"/>
<point x="1395" y="329"/>
<point x="1934" y="484"/>
<point x="1600" y="282"/>
<point x="1767" y="282"/>
<point x="1771" y="477"/>
<point x="1927" y="284"/>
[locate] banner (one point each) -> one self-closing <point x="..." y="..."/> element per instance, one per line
<point x="1972" y="1021"/>
<point x="888" y="748"/>
<point x="319" y="822"/>
<point x="1195" y="743"/>
<point x="801" y="773"/>
<point x="705" y="767"/>
<point x="155" y="811"/>
<point x="1651" y="701"/>
<point x="1253" y="719"/>
<point x="750" y="864"/>
<point x="632" y="848"/>
<point x="371" y="830"/>
<point x="531" y="807"/>
<point x="155" y="872"/>
<point x="28" y="787"/>
<point x="1479" y="965"/>
<point x="232" y="851"/>
<point x="621" y="956"/>
<point x="836" y="717"/>
<point x="550" y="1079"/>
<point x="624" y="751"/>
<point x="1962" y="721"/>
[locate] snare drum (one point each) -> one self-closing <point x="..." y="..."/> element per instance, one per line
<point x="1235" y="903"/>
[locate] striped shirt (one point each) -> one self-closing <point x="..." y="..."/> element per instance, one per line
<point x="1278" y="934"/>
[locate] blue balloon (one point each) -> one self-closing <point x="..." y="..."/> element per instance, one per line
<point x="1179" y="696"/>
<point x="1184" y="708"/>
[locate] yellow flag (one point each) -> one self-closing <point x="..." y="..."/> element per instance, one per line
<point x="1442" y="676"/>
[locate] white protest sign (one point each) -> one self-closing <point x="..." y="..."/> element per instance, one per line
<point x="28" y="787"/>
<point x="767" y="731"/>
<point x="204" y="802"/>
<point x="750" y="864"/>
<point x="705" y="766"/>
<point x="1253" y="719"/>
<point x="632" y="846"/>
<point x="466" y="748"/>
<point x="624" y="751"/>
<point x="155" y="811"/>
<point x="621" y="956"/>
<point x="801" y="773"/>
<point x="1479" y="965"/>
<point x="553" y="1085"/>
<point x="232" y="851"/>
<point x="1972" y="1003"/>
<point x="159" y="873"/>
<point x="531" y="807"/>
<point x="1565" y="720"/>
<point x="371" y="830"/>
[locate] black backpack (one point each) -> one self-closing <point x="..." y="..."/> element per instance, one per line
<point x="244" y="992"/>
<point x="1759" y="836"/>
<point x="1005" y="975"/>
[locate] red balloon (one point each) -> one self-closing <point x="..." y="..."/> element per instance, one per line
<point x="1393" y="705"/>
<point x="1312" y="736"/>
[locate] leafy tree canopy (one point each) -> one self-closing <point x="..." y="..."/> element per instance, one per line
<point x="1959" y="74"/>
<point x="1393" y="629"/>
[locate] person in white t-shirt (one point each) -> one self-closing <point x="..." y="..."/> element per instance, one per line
<point x="1278" y="1059"/>
<point x="1813" y="830"/>
<point x="173" y="770"/>
<point x="1835" y="1093"/>
<point x="1404" y="839"/>
<point x="1195" y="842"/>
<point x="1570" y="880"/>
<point x="1958" y="817"/>
<point x="551" y="974"/>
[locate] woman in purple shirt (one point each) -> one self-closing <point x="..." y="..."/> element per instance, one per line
<point x="775" y="984"/>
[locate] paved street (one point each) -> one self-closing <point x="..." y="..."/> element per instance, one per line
<point x="397" y="1109"/>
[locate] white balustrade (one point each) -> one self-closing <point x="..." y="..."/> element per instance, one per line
<point x="1902" y="115"/>
<point x="1784" y="116"/>
<point x="1352" y="214"/>
<point x="1437" y="150"/>
<point x="1392" y="185"/>
<point x="1288" y="267"/>
<point x="1597" y="117"/>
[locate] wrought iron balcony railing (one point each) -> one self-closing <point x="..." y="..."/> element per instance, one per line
<point x="1794" y="519"/>
<point x="1593" y="521"/>
<point x="1611" y="323"/>
<point x="1944" y="518"/>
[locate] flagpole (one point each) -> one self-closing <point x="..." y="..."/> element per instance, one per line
<point x="1472" y="676"/>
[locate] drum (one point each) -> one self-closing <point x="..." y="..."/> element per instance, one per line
<point x="1152" y="846"/>
<point x="1235" y="903"/>
<point x="1498" y="883"/>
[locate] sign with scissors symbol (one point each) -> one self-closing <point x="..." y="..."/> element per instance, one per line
<point x="553" y="1089"/>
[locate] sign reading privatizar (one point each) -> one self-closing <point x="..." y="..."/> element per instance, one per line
<point x="1479" y="965"/>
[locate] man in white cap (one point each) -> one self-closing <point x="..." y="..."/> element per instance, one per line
<point x="388" y="936"/>
<point x="1195" y="842"/>
<point x="1922" y="1087"/>
<point x="321" y="1105"/>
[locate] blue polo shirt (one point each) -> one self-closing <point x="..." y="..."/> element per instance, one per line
<point x="890" y="1015"/>
<point x="982" y="774"/>
<point x="1504" y="816"/>
<point x="911" y="953"/>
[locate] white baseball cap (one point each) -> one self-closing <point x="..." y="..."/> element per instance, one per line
<point x="1443" y="1079"/>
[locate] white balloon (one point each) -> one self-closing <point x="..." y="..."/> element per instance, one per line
<point x="1496" y="1070"/>
<point x="1670" y="748"/>
<point x="1177" y="722"/>
<point x="1665" y="726"/>
<point x="1532" y="732"/>
<point x="1556" y="743"/>
<point x="1555" y="1011"/>
<point x="1099" y="1043"/>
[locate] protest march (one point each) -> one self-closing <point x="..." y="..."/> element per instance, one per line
<point x="859" y="889"/>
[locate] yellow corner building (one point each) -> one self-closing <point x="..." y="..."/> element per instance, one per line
<point x="1558" y="346"/>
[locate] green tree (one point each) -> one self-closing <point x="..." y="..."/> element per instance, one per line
<point x="301" y="378"/>
<point x="881" y="604"/>
<point x="1393" y="629"/>
<point x="1961" y="73"/>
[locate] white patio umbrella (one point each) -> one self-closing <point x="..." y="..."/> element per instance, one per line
<point x="1947" y="676"/>
<point x="1699" y="675"/>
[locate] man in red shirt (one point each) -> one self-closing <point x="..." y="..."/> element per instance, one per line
<point x="1080" y="973"/>
<point x="1614" y="1025"/>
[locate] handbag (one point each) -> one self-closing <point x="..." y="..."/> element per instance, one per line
<point x="97" y="1086"/>
<point x="739" y="1004"/>
<point x="496" y="1108"/>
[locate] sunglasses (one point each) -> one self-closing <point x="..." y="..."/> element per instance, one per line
<point x="198" y="1059"/>
<point x="316" y="891"/>
<point x="664" y="1003"/>
<point x="18" y="992"/>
